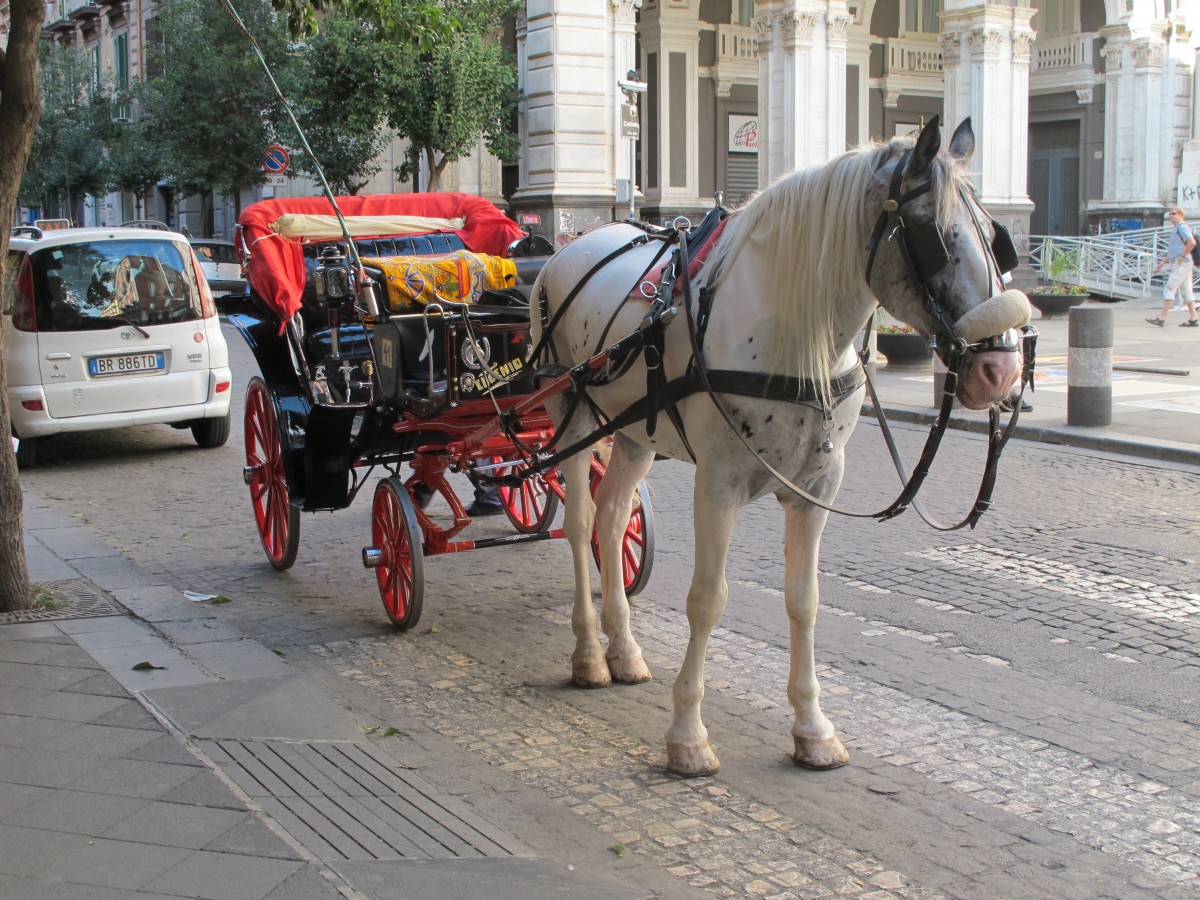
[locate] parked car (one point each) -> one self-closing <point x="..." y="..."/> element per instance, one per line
<point x="219" y="261"/>
<point x="109" y="327"/>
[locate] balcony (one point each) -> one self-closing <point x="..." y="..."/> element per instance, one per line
<point x="1062" y="63"/>
<point x="913" y="66"/>
<point x="737" y="57"/>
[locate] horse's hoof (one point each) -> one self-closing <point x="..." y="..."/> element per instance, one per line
<point x="827" y="753"/>
<point x="590" y="676"/>
<point x="629" y="671"/>
<point x="691" y="760"/>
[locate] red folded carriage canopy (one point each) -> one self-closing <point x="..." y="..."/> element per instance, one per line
<point x="276" y="264"/>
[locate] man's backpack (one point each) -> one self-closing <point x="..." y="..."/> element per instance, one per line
<point x="1195" y="248"/>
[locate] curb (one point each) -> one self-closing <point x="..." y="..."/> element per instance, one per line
<point x="1168" y="451"/>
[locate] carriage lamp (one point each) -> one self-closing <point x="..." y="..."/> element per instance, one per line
<point x="332" y="279"/>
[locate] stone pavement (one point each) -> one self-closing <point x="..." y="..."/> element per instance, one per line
<point x="219" y="770"/>
<point x="160" y="754"/>
<point x="1156" y="389"/>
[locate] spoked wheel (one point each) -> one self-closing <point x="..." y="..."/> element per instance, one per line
<point x="396" y="556"/>
<point x="532" y="505"/>
<point x="637" y="545"/>
<point x="278" y="520"/>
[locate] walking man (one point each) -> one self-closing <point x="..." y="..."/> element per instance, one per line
<point x="1179" y="258"/>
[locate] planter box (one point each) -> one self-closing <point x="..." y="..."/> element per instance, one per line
<point x="904" y="349"/>
<point x="1051" y="305"/>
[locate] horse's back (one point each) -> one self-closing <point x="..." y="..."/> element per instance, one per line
<point x="602" y="286"/>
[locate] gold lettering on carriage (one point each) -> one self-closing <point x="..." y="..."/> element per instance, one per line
<point x="489" y="379"/>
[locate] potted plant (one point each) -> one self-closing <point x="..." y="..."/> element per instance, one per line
<point x="1061" y="292"/>
<point x="900" y="343"/>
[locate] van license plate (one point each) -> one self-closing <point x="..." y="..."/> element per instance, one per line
<point x="125" y="364"/>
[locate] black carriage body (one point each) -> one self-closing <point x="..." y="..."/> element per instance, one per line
<point x="426" y="363"/>
<point x="456" y="357"/>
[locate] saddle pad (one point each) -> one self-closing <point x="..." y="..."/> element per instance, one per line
<point x="697" y="256"/>
<point x="462" y="276"/>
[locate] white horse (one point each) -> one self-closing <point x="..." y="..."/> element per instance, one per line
<point x="792" y="290"/>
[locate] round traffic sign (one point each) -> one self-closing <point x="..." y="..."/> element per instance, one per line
<point x="276" y="160"/>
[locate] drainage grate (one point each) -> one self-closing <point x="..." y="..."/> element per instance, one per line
<point x="76" y="599"/>
<point x="349" y="802"/>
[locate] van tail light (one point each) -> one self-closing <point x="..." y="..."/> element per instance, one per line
<point x="24" y="315"/>
<point x="208" y="306"/>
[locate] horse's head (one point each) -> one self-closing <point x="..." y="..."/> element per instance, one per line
<point x="937" y="261"/>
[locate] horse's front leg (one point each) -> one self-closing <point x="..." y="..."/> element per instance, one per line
<point x="816" y="744"/>
<point x="688" y="750"/>
<point x="627" y="465"/>
<point x="588" y="668"/>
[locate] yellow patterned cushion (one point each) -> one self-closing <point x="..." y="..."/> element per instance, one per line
<point x="463" y="276"/>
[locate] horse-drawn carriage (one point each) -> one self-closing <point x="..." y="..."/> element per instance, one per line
<point x="432" y="371"/>
<point x="759" y="384"/>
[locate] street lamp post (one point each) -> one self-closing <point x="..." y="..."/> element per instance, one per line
<point x="631" y="128"/>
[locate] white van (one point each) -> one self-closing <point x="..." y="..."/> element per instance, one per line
<point x="108" y="327"/>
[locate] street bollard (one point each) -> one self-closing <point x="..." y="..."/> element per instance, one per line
<point x="1089" y="366"/>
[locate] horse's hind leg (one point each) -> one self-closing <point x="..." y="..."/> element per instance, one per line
<point x="688" y="750"/>
<point x="628" y="464"/>
<point x="816" y="744"/>
<point x="588" y="668"/>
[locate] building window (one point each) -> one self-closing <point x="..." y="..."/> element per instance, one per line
<point x="121" y="60"/>
<point x="121" y="77"/>
<point x="921" y="16"/>
<point x="1055" y="16"/>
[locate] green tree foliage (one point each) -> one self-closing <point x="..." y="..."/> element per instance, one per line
<point x="67" y="161"/>
<point x="211" y="106"/>
<point x="340" y="114"/>
<point x="456" y="91"/>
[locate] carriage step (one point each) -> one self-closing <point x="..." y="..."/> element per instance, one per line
<point x="349" y="801"/>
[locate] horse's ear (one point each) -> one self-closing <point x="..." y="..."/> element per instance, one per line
<point x="929" y="141"/>
<point x="962" y="145"/>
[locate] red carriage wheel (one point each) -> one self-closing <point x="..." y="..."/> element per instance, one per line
<point x="277" y="519"/>
<point x="637" y="545"/>
<point x="531" y="505"/>
<point x="399" y="560"/>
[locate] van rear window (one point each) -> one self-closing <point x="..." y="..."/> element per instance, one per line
<point x="98" y="284"/>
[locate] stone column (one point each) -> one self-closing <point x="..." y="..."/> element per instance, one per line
<point x="670" y="36"/>
<point x="802" y="83"/>
<point x="1137" y="141"/>
<point x="570" y="56"/>
<point x="986" y="53"/>
<point x="1187" y="185"/>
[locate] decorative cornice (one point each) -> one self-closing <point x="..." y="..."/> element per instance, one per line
<point x="950" y="47"/>
<point x="1022" y="46"/>
<point x="762" y="28"/>
<point x="799" y="26"/>
<point x="1084" y="95"/>
<point x="626" y="10"/>
<point x="837" y="25"/>
<point x="1113" y="54"/>
<point x="891" y="98"/>
<point x="1146" y="53"/>
<point x="986" y="39"/>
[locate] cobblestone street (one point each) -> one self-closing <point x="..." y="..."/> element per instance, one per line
<point x="1021" y="702"/>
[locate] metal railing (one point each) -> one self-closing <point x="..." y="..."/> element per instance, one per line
<point x="1121" y="265"/>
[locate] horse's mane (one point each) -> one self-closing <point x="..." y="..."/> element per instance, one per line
<point x="812" y="228"/>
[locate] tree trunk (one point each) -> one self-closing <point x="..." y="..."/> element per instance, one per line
<point x="206" y="214"/>
<point x="20" y="105"/>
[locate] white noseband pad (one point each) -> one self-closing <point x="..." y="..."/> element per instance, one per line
<point x="1010" y="309"/>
